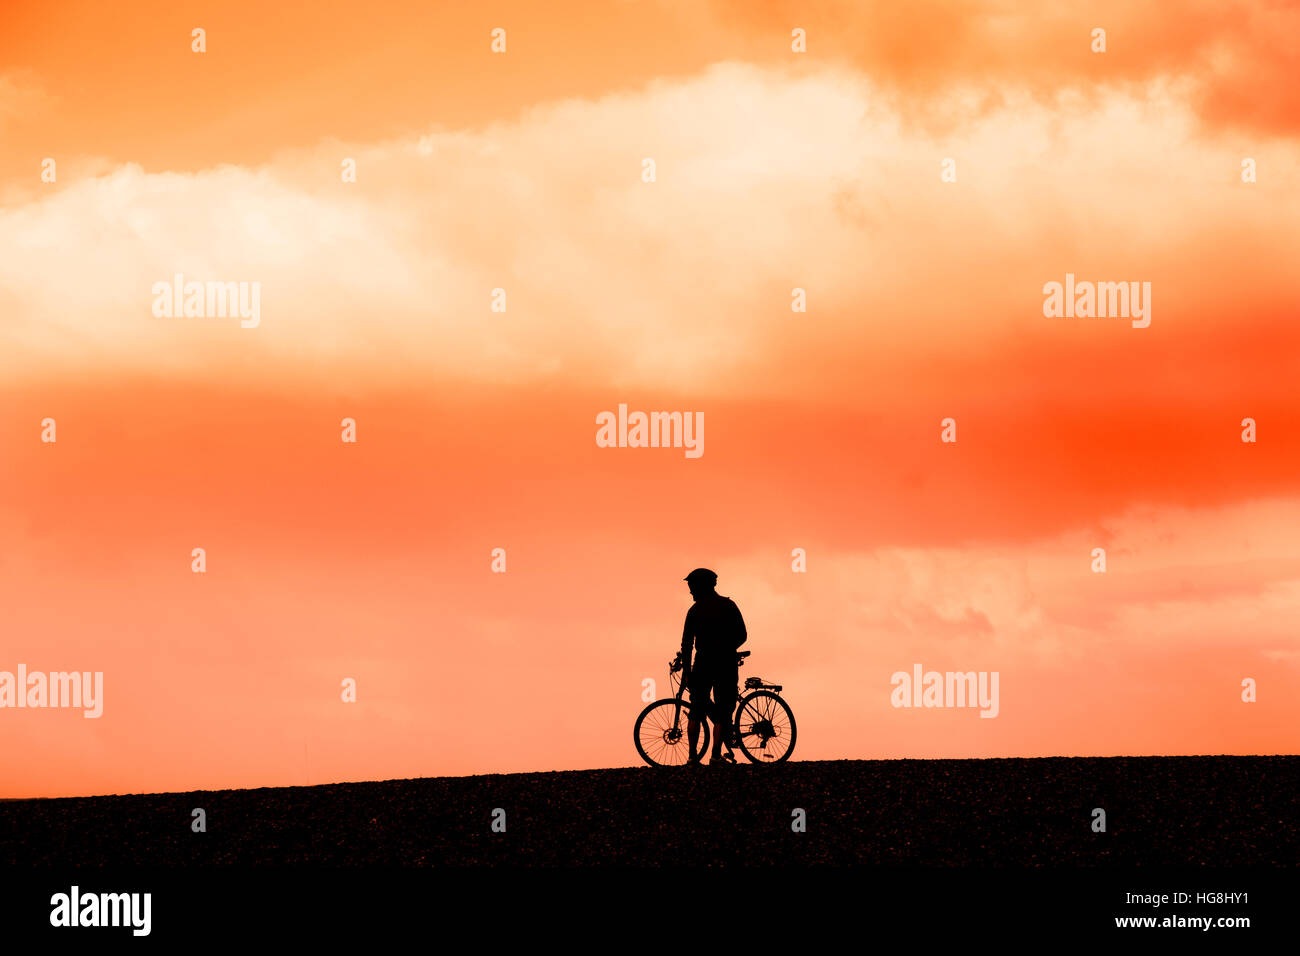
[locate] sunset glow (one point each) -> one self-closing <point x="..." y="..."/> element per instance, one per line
<point x="477" y="429"/>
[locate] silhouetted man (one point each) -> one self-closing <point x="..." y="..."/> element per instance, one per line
<point x="715" y="627"/>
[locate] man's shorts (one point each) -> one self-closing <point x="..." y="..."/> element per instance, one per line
<point x="713" y="690"/>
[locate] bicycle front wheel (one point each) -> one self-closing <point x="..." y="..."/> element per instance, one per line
<point x="765" y="727"/>
<point x="661" y="733"/>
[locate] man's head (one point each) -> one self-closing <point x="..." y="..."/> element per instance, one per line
<point x="701" y="581"/>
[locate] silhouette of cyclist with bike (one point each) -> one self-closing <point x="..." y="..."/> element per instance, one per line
<point x="716" y="629"/>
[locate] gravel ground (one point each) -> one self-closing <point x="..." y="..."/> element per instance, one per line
<point x="1219" y="810"/>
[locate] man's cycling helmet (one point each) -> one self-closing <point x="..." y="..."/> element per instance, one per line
<point x="702" y="576"/>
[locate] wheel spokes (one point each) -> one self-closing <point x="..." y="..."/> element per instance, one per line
<point x="665" y="737"/>
<point x="765" y="728"/>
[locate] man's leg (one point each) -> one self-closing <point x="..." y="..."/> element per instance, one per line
<point x="726" y="696"/>
<point x="693" y="719"/>
<point x="718" y="707"/>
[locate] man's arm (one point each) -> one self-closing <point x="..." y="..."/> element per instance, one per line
<point x="688" y="639"/>
<point x="741" y="634"/>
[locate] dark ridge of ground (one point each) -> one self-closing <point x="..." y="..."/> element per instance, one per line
<point x="1219" y="811"/>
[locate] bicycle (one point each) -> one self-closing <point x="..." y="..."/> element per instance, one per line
<point x="763" y="727"/>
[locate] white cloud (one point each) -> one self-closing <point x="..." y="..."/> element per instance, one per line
<point x="766" y="181"/>
<point x="1177" y="581"/>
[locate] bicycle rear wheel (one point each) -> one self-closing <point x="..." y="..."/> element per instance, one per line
<point x="661" y="735"/>
<point x="765" y="727"/>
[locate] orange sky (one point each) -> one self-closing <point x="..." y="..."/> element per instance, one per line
<point x="476" y="428"/>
